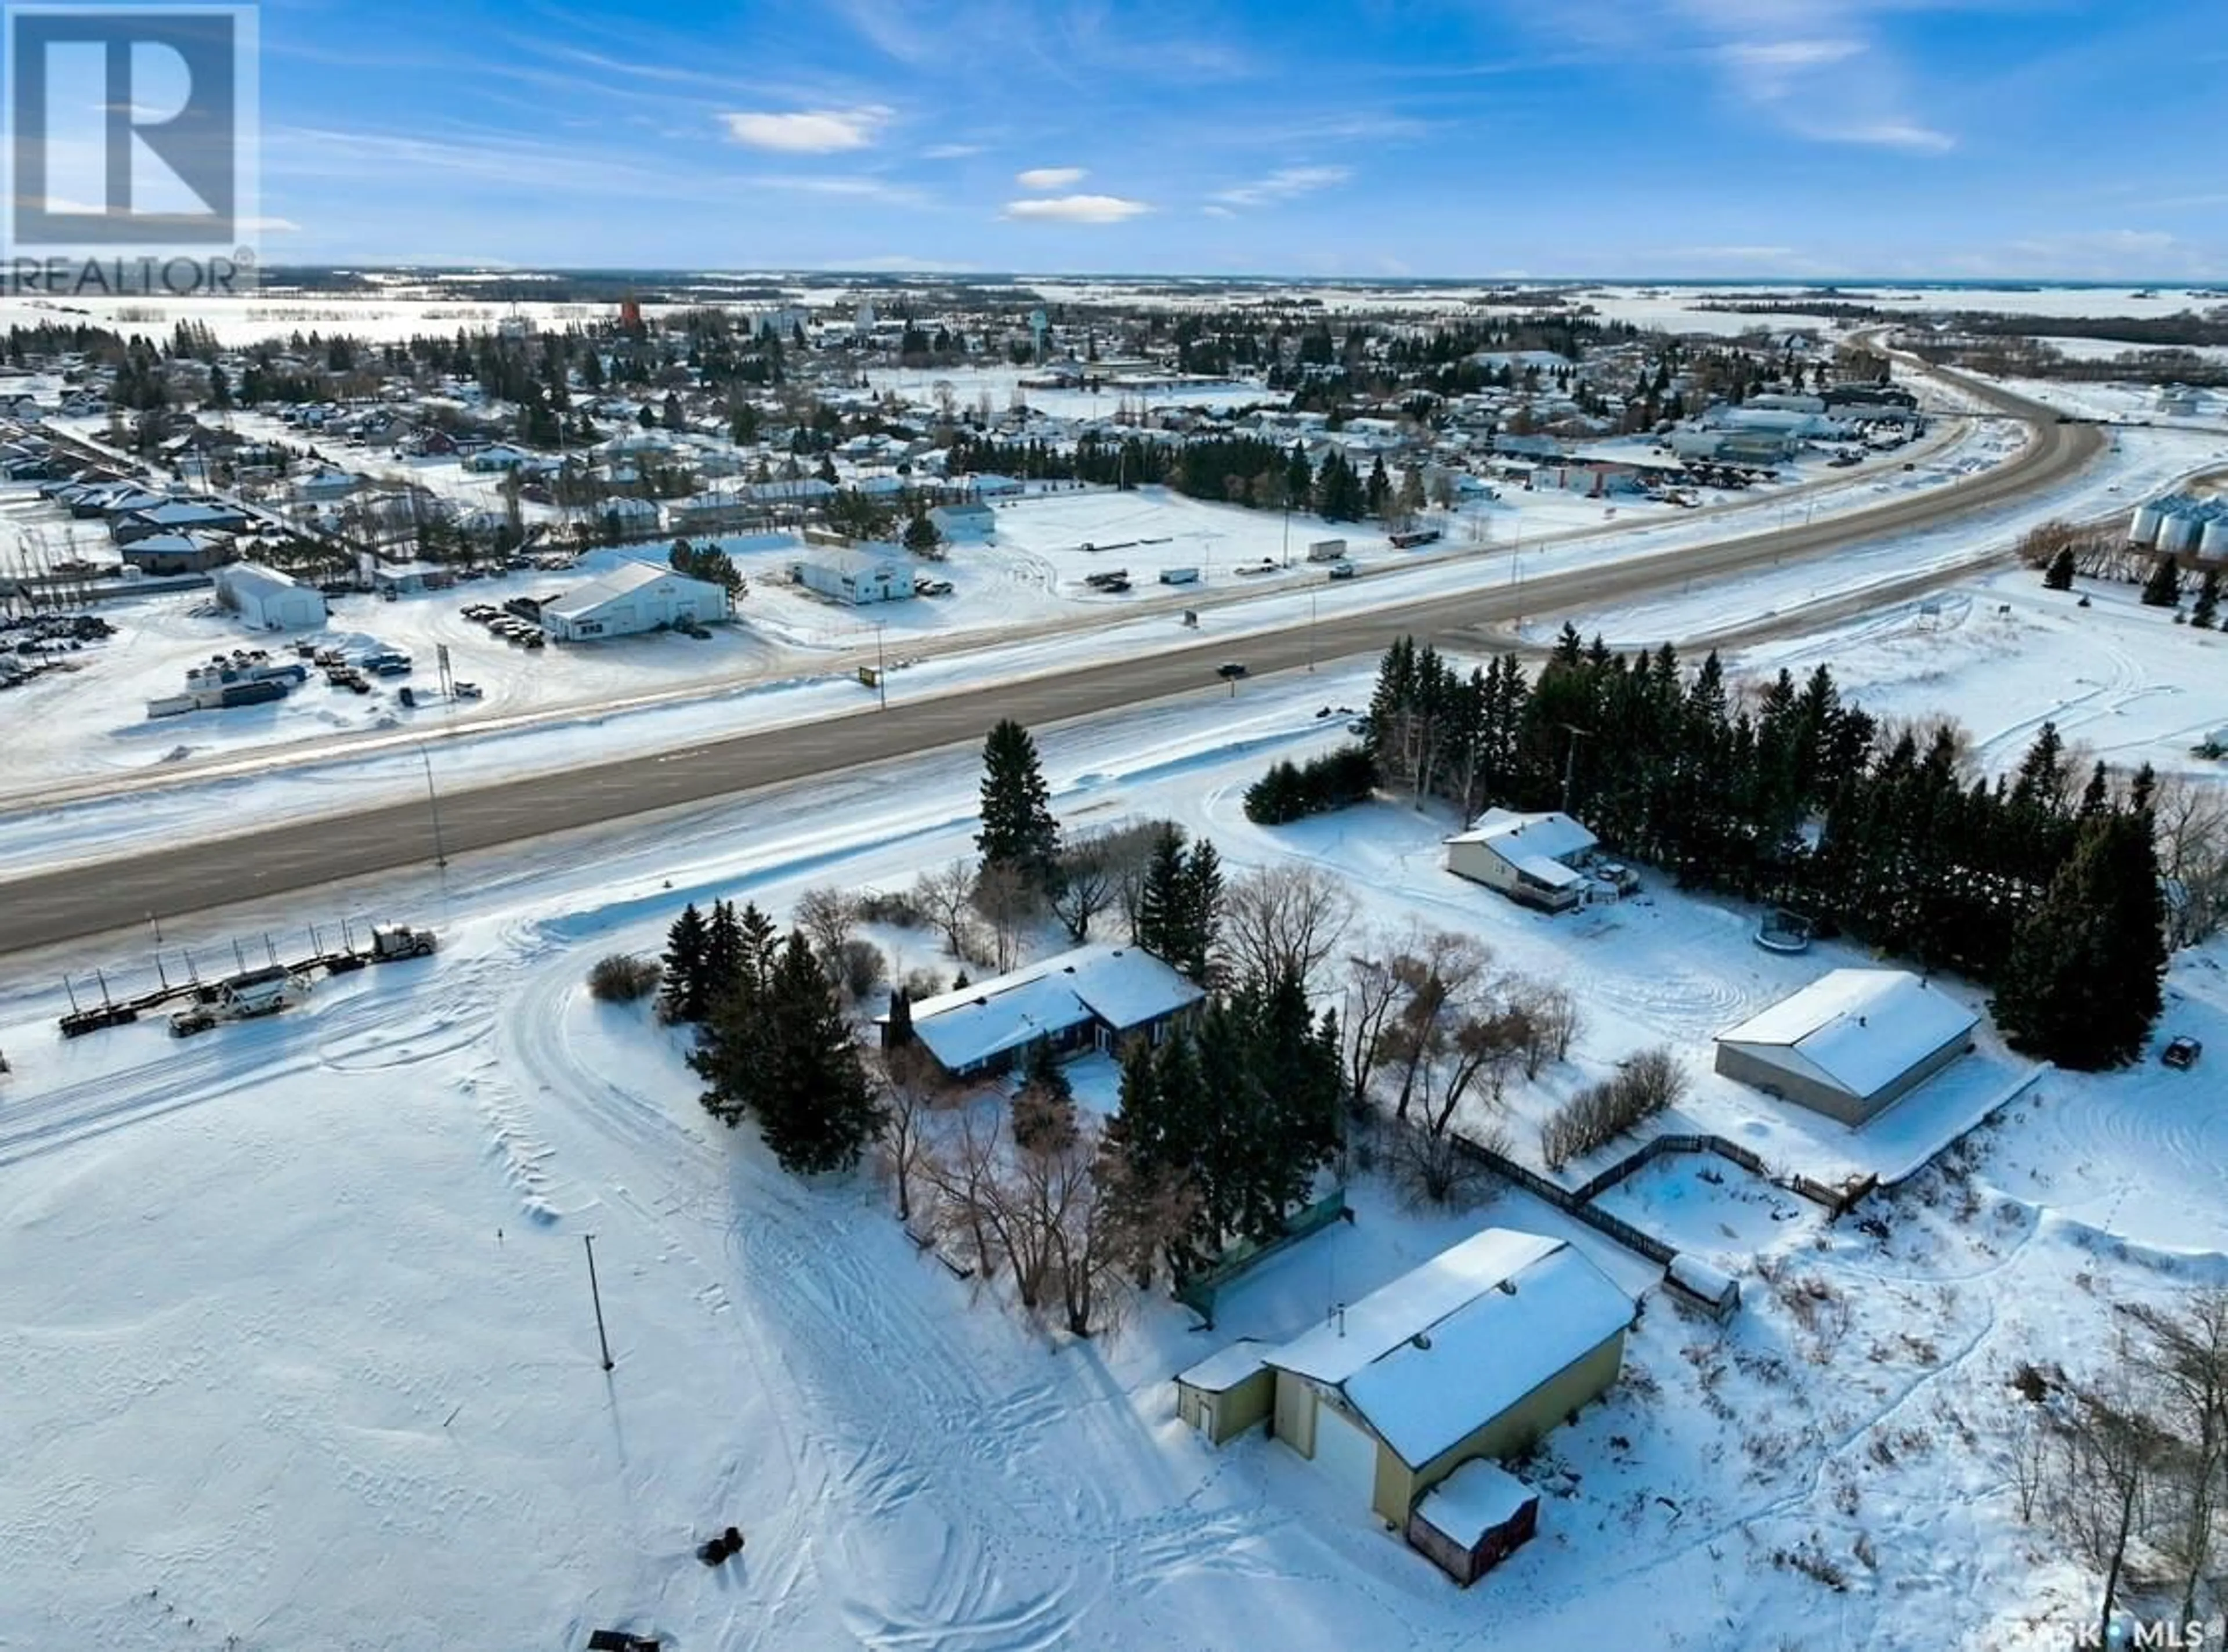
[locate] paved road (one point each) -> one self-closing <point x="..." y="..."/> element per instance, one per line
<point x="90" y="900"/>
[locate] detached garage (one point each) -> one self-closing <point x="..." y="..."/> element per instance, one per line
<point x="270" y="600"/>
<point x="633" y="597"/>
<point x="1850" y="1043"/>
<point x="1476" y="1355"/>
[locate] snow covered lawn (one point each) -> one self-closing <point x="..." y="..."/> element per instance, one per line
<point x="301" y="1349"/>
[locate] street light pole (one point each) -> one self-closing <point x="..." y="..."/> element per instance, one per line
<point x="1311" y="631"/>
<point x="881" y="669"/>
<point x="433" y="804"/>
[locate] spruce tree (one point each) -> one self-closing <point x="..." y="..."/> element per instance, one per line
<point x="1201" y="934"/>
<point x="2059" y="575"/>
<point x="2163" y="588"/>
<point x="1160" y="897"/>
<point x="897" y="1029"/>
<point x="681" y="998"/>
<point x="723" y="954"/>
<point x="814" y="1104"/>
<point x="921" y="536"/>
<point x="1018" y="827"/>
<point x="2206" y="609"/>
<point x="2081" y="986"/>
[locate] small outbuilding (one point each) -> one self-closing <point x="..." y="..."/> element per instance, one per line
<point x="269" y="600"/>
<point x="1534" y="859"/>
<point x="633" y="597"/>
<point x="858" y="575"/>
<point x="162" y="554"/>
<point x="1473" y="1520"/>
<point x="1850" y="1043"/>
<point x="1228" y="1392"/>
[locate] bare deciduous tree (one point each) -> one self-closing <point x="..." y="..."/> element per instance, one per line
<point x="2183" y="1356"/>
<point x="1548" y="1018"/>
<point x="912" y="1083"/>
<point x="1281" y="920"/>
<point x="2191" y="820"/>
<point x="2107" y="1468"/>
<point x="1439" y="985"/>
<point x="945" y="895"/>
<point x="1085" y="885"/>
<point x="1006" y="897"/>
<point x="1372" y="994"/>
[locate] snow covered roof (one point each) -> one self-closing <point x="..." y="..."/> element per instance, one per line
<point x="1125" y="987"/>
<point x="1856" y="1030"/>
<point x="1445" y="1348"/>
<point x="1219" y="1373"/>
<point x="253" y="578"/>
<point x="622" y="580"/>
<point x="859" y="561"/>
<point x="1554" y="836"/>
<point x="1473" y="1500"/>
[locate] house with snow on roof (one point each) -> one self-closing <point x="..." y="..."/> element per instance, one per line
<point x="1471" y="1358"/>
<point x="1545" y="861"/>
<point x="1850" y="1043"/>
<point x="1095" y="997"/>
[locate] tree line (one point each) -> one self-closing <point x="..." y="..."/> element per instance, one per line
<point x="2043" y="883"/>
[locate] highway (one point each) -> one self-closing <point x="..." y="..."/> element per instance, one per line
<point x="89" y="899"/>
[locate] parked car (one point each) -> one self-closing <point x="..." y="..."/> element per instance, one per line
<point x="2180" y="1054"/>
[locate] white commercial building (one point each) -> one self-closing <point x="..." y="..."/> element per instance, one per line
<point x="268" y="599"/>
<point x="633" y="597"/>
<point x="857" y="575"/>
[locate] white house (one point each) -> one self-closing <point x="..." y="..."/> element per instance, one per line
<point x="1476" y="1355"/>
<point x="1093" y="997"/>
<point x="1850" y="1043"/>
<point x="857" y="575"/>
<point x="633" y="597"/>
<point x="627" y="515"/>
<point x="326" y="484"/>
<point x="269" y="600"/>
<point x="1534" y="860"/>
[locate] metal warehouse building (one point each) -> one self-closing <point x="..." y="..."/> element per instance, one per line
<point x="1850" y="1043"/>
<point x="859" y="575"/>
<point x="268" y="599"/>
<point x="633" y="597"/>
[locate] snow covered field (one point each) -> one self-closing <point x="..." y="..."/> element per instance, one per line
<point x="341" y="1388"/>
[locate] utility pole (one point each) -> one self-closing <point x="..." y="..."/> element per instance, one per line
<point x="881" y="669"/>
<point x="433" y="804"/>
<point x="596" y="1296"/>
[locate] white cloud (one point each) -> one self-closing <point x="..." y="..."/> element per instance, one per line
<point x="1283" y="184"/>
<point x="1042" y="178"/>
<point x="949" y="152"/>
<point x="1790" y="53"/>
<point x="1890" y="134"/>
<point x="812" y="131"/>
<point x="1075" y="208"/>
<point x="1217" y="212"/>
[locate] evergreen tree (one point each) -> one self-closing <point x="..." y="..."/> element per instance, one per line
<point x="2059" y="575"/>
<point x="2163" y="588"/>
<point x="2206" y="609"/>
<point x="1201" y="934"/>
<point x="1379" y="489"/>
<point x="682" y="997"/>
<point x="723" y="954"/>
<point x="1018" y="827"/>
<point x="921" y="536"/>
<point x="2081" y="986"/>
<point x="898" y="1029"/>
<point x="813" y="1102"/>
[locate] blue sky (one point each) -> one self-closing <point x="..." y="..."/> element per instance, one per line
<point x="1471" y="139"/>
